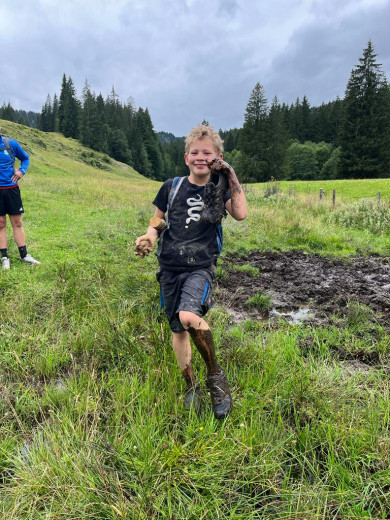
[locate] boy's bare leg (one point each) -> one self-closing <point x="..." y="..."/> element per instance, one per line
<point x="182" y="349"/>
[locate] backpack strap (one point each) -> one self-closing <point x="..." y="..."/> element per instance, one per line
<point x="219" y="237"/>
<point x="7" y="147"/>
<point x="177" y="182"/>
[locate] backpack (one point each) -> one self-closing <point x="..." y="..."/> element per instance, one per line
<point x="7" y="147"/>
<point x="177" y="182"/>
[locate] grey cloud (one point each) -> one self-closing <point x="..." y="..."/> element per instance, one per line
<point x="228" y="7"/>
<point x="319" y="58"/>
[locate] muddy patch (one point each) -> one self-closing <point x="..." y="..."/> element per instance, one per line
<point x="303" y="287"/>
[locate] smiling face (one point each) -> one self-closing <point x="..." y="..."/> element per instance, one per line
<point x="201" y="152"/>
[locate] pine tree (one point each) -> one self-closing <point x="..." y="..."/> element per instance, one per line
<point x="253" y="139"/>
<point x="68" y="110"/>
<point x="113" y="110"/>
<point x="89" y="118"/>
<point x="46" y="119"/>
<point x="7" y="112"/>
<point x="277" y="141"/>
<point x="304" y="115"/>
<point x="365" y="136"/>
<point x="55" y="114"/>
<point x="102" y="130"/>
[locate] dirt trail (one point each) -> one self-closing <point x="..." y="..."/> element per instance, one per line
<point x="305" y="286"/>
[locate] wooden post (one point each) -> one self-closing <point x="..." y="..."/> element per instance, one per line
<point x="378" y="197"/>
<point x="334" y="198"/>
<point x="290" y="192"/>
<point x="321" y="193"/>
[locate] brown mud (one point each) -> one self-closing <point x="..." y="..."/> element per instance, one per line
<point x="214" y="192"/>
<point x="304" y="287"/>
<point x="203" y="340"/>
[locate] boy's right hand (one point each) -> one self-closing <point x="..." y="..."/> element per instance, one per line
<point x="144" y="245"/>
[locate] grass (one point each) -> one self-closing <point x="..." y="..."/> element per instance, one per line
<point x="260" y="301"/>
<point x="92" y="423"/>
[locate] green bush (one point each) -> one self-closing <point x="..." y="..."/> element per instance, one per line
<point x="364" y="214"/>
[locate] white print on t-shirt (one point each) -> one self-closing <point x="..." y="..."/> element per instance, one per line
<point x="195" y="209"/>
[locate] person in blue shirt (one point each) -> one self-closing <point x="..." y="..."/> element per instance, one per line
<point x="10" y="200"/>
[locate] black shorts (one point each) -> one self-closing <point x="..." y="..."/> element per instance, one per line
<point x="188" y="291"/>
<point x="11" y="201"/>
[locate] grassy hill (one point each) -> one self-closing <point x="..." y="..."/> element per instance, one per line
<point x="92" y="424"/>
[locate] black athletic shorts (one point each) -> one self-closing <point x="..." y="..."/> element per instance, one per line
<point x="11" y="201"/>
<point x="188" y="291"/>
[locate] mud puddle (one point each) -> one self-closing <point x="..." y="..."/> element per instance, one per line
<point x="304" y="287"/>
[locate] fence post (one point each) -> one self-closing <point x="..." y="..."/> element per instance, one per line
<point x="290" y="191"/>
<point x="378" y="197"/>
<point x="321" y="193"/>
<point x="334" y="198"/>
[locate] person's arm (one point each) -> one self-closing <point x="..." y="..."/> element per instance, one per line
<point x="236" y="205"/>
<point x="145" y="243"/>
<point x="23" y="158"/>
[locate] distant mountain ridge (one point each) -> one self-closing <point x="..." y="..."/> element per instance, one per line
<point x="167" y="137"/>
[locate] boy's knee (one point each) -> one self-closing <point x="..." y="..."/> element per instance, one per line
<point x="189" y="320"/>
<point x="3" y="222"/>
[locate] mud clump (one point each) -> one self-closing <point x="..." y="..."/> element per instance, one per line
<point x="214" y="192"/>
<point x="298" y="283"/>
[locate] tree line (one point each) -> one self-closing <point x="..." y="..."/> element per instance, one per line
<point x="107" y="125"/>
<point x="22" y="117"/>
<point x="344" y="138"/>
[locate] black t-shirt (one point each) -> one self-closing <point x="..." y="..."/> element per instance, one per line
<point x="189" y="243"/>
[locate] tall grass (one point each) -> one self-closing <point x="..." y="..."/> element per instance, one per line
<point x="92" y="423"/>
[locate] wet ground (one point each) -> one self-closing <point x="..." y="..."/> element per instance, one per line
<point x="304" y="287"/>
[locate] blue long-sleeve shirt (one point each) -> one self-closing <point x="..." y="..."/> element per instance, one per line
<point x="6" y="165"/>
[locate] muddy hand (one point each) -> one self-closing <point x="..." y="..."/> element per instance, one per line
<point x="144" y="245"/>
<point x="219" y="166"/>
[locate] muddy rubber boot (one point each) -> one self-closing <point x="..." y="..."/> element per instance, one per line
<point x="192" y="398"/>
<point x="221" y="398"/>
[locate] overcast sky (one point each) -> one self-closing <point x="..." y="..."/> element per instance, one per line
<point x="188" y="60"/>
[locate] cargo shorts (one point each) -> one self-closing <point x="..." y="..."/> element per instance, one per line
<point x="188" y="291"/>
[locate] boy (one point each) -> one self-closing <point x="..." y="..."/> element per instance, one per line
<point x="187" y="254"/>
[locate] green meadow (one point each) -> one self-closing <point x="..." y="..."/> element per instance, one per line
<point x="92" y="423"/>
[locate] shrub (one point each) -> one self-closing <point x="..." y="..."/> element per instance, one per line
<point x="364" y="214"/>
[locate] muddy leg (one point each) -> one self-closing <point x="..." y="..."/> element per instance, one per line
<point x="202" y="337"/>
<point x="203" y="340"/>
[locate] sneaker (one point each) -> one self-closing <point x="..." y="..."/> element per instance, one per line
<point x="5" y="262"/>
<point x="28" y="259"/>
<point x="221" y="398"/>
<point x="192" y="399"/>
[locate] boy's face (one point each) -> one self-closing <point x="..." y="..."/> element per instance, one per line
<point x="200" y="153"/>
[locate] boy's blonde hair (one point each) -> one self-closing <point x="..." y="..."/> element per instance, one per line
<point x="201" y="131"/>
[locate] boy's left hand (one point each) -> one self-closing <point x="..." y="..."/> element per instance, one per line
<point x="220" y="166"/>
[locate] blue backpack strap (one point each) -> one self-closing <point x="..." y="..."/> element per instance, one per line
<point x="177" y="182"/>
<point x="219" y="237"/>
<point x="7" y="147"/>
